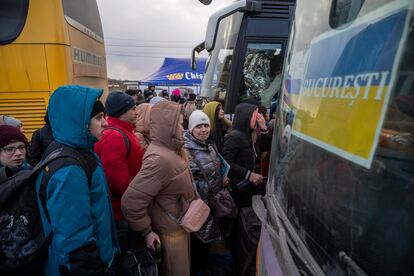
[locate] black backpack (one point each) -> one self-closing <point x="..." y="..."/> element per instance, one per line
<point x="24" y="245"/>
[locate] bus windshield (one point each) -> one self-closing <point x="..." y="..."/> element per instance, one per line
<point x="216" y="79"/>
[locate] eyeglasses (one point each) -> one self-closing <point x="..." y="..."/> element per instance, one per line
<point x="12" y="150"/>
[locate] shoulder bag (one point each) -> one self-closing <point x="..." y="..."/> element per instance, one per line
<point x="195" y="216"/>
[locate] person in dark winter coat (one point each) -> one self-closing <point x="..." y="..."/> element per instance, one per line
<point x="150" y="92"/>
<point x="219" y="124"/>
<point x="240" y="153"/>
<point x="41" y="139"/>
<point x="204" y="164"/>
<point x="13" y="145"/>
<point x="79" y="210"/>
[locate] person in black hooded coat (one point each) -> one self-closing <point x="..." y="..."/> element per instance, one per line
<point x="240" y="153"/>
<point x="41" y="139"/>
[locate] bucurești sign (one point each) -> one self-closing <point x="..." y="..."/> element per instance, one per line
<point x="340" y="105"/>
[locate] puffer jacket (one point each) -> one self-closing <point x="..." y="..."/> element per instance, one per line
<point x="142" y="125"/>
<point x="164" y="181"/>
<point x="120" y="166"/>
<point x="81" y="218"/>
<point x="240" y="153"/>
<point x="6" y="172"/>
<point x="207" y="163"/>
<point x="41" y="139"/>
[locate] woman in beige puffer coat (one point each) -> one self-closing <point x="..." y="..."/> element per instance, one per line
<point x="163" y="184"/>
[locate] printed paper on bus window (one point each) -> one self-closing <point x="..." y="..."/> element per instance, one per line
<point x="340" y="105"/>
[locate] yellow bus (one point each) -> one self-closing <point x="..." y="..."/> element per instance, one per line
<point x="45" y="44"/>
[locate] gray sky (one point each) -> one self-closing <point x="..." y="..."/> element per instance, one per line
<point x="140" y="33"/>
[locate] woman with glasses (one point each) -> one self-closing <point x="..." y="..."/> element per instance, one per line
<point x="13" y="145"/>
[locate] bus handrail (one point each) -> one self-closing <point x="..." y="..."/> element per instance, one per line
<point x="286" y="234"/>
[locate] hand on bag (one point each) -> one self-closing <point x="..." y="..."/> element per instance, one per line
<point x="255" y="178"/>
<point x="226" y="182"/>
<point x="261" y="122"/>
<point x="151" y="239"/>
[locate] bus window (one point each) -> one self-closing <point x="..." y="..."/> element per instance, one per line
<point x="81" y="14"/>
<point x="261" y="72"/>
<point x="218" y="70"/>
<point x="13" y="15"/>
<point x="344" y="11"/>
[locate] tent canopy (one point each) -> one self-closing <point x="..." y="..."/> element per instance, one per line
<point x="177" y="72"/>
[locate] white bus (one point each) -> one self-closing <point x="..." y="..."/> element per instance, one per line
<point x="340" y="194"/>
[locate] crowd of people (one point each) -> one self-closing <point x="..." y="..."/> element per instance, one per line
<point x="143" y="158"/>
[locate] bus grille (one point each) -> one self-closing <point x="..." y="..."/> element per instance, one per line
<point x="29" y="111"/>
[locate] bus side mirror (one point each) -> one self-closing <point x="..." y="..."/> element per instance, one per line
<point x="197" y="49"/>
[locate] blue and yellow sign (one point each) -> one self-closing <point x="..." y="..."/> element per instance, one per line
<point x="340" y="105"/>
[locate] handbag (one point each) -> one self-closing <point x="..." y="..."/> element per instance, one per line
<point x="195" y="216"/>
<point x="140" y="263"/>
<point x="222" y="203"/>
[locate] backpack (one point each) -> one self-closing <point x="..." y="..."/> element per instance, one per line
<point x="24" y="245"/>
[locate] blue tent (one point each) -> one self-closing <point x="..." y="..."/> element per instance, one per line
<point x="177" y="72"/>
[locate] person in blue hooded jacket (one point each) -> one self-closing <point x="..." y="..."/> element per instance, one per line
<point x="79" y="211"/>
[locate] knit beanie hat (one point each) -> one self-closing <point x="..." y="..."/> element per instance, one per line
<point x="118" y="103"/>
<point x="9" y="134"/>
<point x="97" y="108"/>
<point x="156" y="100"/>
<point x="198" y="117"/>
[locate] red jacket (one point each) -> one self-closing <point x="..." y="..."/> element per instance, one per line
<point x="119" y="169"/>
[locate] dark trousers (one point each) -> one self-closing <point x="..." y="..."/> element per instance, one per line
<point x="199" y="255"/>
